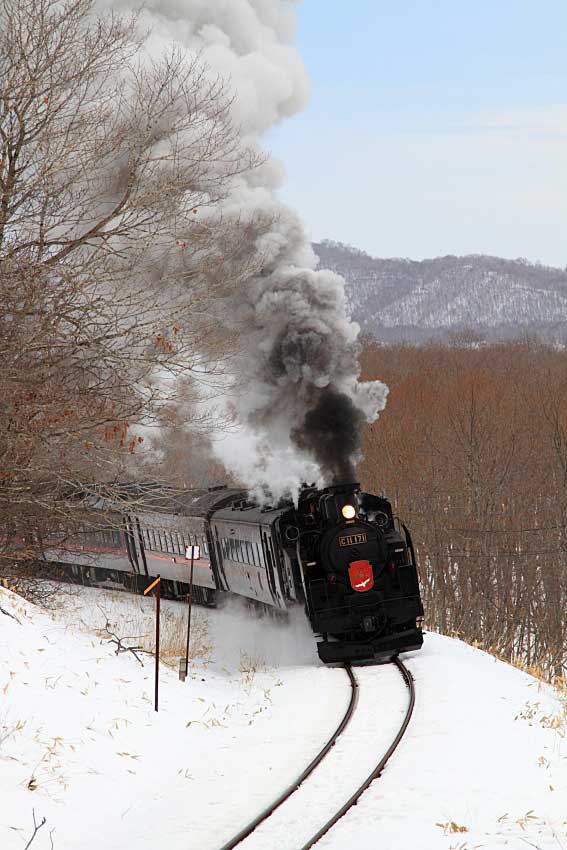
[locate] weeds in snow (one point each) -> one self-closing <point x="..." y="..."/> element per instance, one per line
<point x="8" y="729"/>
<point x="451" y="827"/>
<point x="531" y="712"/>
<point x="139" y="621"/>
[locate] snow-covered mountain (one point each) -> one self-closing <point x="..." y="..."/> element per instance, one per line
<point x="395" y="299"/>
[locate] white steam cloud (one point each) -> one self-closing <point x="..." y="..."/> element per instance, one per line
<point x="298" y="400"/>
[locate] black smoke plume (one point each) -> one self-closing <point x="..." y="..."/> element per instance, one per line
<point x="331" y="433"/>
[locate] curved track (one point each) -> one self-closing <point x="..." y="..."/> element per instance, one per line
<point x="285" y="795"/>
<point x="353" y="799"/>
<point x="408" y="678"/>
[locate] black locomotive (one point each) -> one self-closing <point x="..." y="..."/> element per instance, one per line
<point x="339" y="553"/>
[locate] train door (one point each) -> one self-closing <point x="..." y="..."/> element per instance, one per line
<point x="132" y="548"/>
<point x="273" y="569"/>
<point x="223" y="583"/>
<point x="141" y="547"/>
<point x="214" y="558"/>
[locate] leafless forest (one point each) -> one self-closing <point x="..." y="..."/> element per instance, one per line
<point x="112" y="251"/>
<point x="472" y="450"/>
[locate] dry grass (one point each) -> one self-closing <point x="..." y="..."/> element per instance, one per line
<point x="134" y="624"/>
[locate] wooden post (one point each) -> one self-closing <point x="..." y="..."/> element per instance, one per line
<point x="157" y="585"/>
<point x="189" y="604"/>
<point x="158" y="599"/>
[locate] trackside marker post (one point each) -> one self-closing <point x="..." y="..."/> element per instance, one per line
<point x="194" y="553"/>
<point x="157" y="585"/>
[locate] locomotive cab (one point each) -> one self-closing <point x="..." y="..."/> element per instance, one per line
<point x="359" y="575"/>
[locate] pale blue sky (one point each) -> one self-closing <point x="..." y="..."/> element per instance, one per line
<point x="434" y="127"/>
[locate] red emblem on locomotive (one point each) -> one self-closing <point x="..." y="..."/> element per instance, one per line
<point x="361" y="576"/>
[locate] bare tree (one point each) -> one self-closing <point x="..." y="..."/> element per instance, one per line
<point x="472" y="449"/>
<point x="112" y="247"/>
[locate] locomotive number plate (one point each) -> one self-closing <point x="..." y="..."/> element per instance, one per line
<point x="352" y="539"/>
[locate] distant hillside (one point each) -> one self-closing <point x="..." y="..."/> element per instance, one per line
<point x="398" y="299"/>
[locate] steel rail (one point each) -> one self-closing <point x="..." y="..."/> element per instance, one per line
<point x="285" y="795"/>
<point x="408" y="678"/>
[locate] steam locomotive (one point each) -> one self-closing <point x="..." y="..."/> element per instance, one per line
<point x="340" y="553"/>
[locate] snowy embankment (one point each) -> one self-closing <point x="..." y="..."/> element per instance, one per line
<point x="81" y="744"/>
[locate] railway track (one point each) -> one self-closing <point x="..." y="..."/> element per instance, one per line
<point x="306" y="811"/>
<point x="285" y="795"/>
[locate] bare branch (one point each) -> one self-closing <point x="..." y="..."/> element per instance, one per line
<point x="36" y="828"/>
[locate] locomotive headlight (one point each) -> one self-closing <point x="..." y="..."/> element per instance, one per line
<point x="348" y="512"/>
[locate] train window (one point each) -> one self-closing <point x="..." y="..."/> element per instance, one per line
<point x="250" y="553"/>
<point x="206" y="546"/>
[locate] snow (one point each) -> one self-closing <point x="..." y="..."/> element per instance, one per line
<point x="81" y="744"/>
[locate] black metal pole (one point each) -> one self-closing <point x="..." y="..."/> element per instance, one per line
<point x="158" y="598"/>
<point x="189" y="601"/>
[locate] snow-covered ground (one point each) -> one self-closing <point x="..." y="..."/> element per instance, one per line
<point x="484" y="762"/>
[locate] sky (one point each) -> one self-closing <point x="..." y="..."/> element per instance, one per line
<point x="434" y="127"/>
